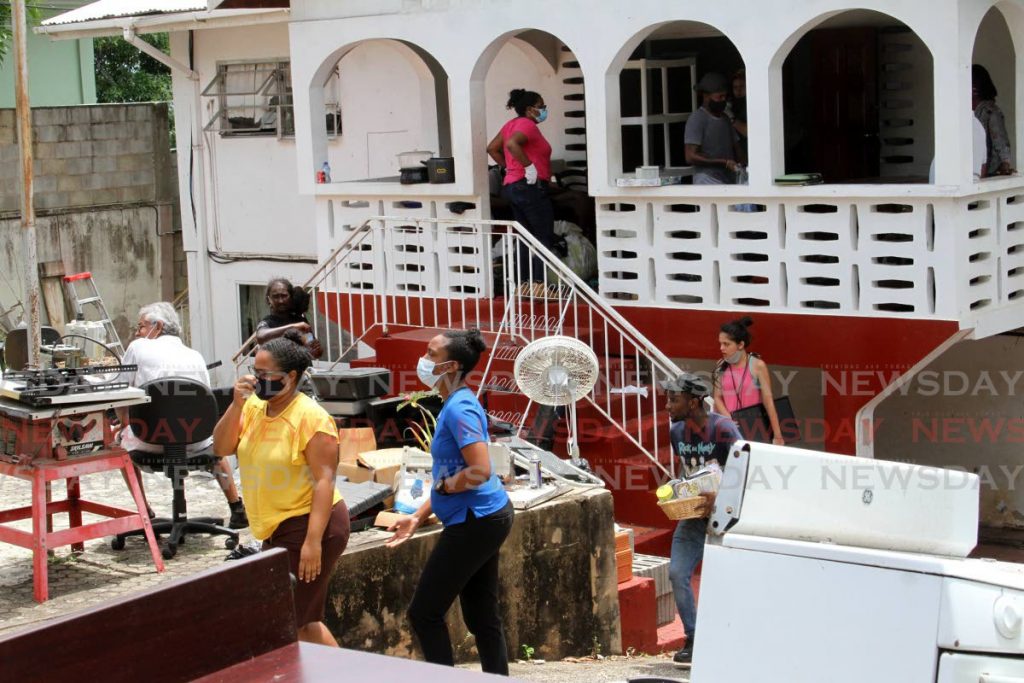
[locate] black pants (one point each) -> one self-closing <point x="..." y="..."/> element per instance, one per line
<point x="531" y="206"/>
<point x="464" y="564"/>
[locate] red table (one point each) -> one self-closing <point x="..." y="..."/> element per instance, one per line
<point x="46" y="444"/>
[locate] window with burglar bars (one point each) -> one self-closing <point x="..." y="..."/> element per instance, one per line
<point x="255" y="98"/>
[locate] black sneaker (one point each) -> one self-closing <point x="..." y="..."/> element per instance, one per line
<point x="684" y="658"/>
<point x="244" y="550"/>
<point x="239" y="520"/>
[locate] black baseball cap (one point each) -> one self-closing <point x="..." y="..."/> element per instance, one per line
<point x="712" y="82"/>
<point x="687" y="383"/>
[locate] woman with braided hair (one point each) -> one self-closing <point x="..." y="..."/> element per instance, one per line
<point x="287" y="448"/>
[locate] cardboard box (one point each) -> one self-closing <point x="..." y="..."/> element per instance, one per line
<point x="379" y="466"/>
<point x="352" y="442"/>
<point x="389" y="517"/>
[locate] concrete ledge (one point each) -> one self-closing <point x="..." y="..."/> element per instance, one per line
<point x="558" y="585"/>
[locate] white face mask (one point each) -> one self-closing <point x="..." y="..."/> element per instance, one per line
<point x="425" y="371"/>
<point x="734" y="358"/>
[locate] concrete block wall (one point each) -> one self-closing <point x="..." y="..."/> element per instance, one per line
<point x="106" y="198"/>
<point x="89" y="156"/>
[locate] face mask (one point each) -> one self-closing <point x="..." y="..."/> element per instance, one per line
<point x="267" y="388"/>
<point x="542" y="115"/>
<point x="734" y="358"/>
<point x="716" y="107"/>
<point x="425" y="371"/>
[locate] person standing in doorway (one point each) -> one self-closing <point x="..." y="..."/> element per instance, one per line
<point x="712" y="144"/>
<point x="742" y="379"/>
<point x="525" y="154"/>
<point x="472" y="505"/>
<point x="997" y="141"/>
<point x="699" y="439"/>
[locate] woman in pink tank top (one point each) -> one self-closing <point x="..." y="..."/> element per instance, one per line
<point x="742" y="379"/>
<point x="521" y="149"/>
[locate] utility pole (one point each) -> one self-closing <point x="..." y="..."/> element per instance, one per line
<point x="19" y="20"/>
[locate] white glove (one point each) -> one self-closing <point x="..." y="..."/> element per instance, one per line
<point x="531" y="174"/>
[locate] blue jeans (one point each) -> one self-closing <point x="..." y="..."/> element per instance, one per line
<point x="687" y="552"/>
<point x="531" y="207"/>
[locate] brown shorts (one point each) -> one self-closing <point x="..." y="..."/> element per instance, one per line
<point x="310" y="598"/>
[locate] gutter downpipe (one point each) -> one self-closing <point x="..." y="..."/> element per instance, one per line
<point x="201" y="314"/>
<point x="866" y="415"/>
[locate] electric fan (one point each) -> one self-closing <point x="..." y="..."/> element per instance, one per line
<point x="558" y="371"/>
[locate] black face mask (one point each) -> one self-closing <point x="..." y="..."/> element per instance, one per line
<point x="716" y="107"/>
<point x="267" y="389"/>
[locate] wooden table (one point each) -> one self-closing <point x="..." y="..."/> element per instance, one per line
<point x="42" y="445"/>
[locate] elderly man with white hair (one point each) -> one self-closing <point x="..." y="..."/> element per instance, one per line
<point x="158" y="352"/>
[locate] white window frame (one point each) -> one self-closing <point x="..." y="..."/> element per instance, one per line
<point x="665" y="118"/>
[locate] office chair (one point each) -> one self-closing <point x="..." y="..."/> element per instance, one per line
<point x="181" y="412"/>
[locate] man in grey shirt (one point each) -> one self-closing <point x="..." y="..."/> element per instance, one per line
<point x="712" y="144"/>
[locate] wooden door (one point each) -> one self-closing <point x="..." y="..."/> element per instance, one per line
<point x="844" y="91"/>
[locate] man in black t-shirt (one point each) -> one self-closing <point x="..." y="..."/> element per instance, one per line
<point x="698" y="440"/>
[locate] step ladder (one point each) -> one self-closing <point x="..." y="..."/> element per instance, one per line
<point x="82" y="291"/>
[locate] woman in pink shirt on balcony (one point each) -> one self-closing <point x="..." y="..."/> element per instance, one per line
<point x="742" y="379"/>
<point x="521" y="149"/>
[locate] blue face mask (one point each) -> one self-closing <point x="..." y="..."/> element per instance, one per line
<point x="542" y="115"/>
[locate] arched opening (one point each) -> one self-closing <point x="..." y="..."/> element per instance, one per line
<point x="858" y="102"/>
<point x="658" y="74"/>
<point x="540" y="62"/>
<point x="392" y="97"/>
<point x="994" y="52"/>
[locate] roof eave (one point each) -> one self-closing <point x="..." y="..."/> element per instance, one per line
<point x="160" y="23"/>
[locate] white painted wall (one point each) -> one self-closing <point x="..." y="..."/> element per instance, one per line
<point x="964" y="411"/>
<point x="255" y="205"/>
<point x="387" y="104"/>
<point x="258" y="204"/>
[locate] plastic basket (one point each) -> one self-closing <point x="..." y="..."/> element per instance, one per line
<point x="684" y="508"/>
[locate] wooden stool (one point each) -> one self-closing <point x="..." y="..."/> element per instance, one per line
<point x="42" y="538"/>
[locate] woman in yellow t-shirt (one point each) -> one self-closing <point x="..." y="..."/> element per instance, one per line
<point x="287" y="448"/>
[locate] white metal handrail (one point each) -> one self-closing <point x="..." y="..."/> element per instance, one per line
<point x="397" y="272"/>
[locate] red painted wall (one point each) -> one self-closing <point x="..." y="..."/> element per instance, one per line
<point x="857" y="352"/>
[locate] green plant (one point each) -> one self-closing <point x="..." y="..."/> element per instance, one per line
<point x="527" y="652"/>
<point x="422" y="433"/>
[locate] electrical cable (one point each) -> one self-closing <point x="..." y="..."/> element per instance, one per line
<point x="111" y="351"/>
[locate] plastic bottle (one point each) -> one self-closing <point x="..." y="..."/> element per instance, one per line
<point x="326" y="170"/>
<point x="536" y="478"/>
<point x="98" y="334"/>
<point x="76" y="327"/>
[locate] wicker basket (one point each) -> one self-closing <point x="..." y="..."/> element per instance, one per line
<point x="684" y="508"/>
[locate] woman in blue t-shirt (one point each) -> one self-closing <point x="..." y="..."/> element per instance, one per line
<point x="469" y="500"/>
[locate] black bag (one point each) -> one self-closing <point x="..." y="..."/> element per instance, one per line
<point x="754" y="425"/>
